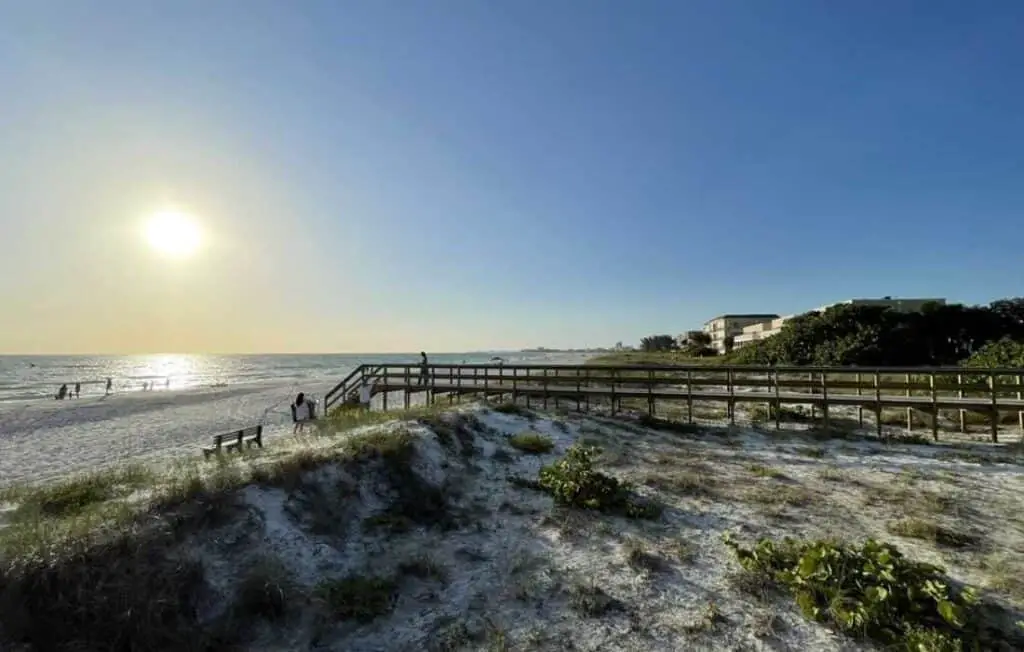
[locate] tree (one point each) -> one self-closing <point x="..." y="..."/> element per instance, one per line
<point x="658" y="343"/>
<point x="877" y="336"/>
<point x="697" y="344"/>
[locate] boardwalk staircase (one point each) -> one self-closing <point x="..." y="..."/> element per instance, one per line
<point x="346" y="393"/>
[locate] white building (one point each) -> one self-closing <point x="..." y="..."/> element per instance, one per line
<point x="760" y="330"/>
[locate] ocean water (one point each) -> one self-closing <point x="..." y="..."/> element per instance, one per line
<point x="31" y="378"/>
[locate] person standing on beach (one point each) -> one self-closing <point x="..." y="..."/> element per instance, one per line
<point x="302" y="413"/>
<point x="424" y="370"/>
<point x="78" y="389"/>
<point x="110" y="384"/>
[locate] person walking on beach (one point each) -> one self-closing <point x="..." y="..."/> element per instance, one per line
<point x="78" y="389"/>
<point x="110" y="384"/>
<point x="62" y="392"/>
<point x="424" y="370"/>
<point x="302" y="413"/>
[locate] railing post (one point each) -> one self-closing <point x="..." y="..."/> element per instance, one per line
<point x="910" y="410"/>
<point x="406" y="393"/>
<point x="544" y="385"/>
<point x="960" y="394"/>
<point x="810" y="390"/>
<point x="487" y="386"/>
<point x="515" y="384"/>
<point x="578" y="388"/>
<point x="935" y="407"/>
<point x="650" y="392"/>
<point x="732" y="396"/>
<point x="1020" y="413"/>
<point x="995" y="408"/>
<point x="778" y="401"/>
<point x="613" y="391"/>
<point x="556" y="386"/>
<point x="824" y="398"/>
<point x="689" y="395"/>
<point x="586" y="383"/>
<point x="878" y="406"/>
<point x="860" y="407"/>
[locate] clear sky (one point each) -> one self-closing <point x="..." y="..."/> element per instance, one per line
<point x="461" y="175"/>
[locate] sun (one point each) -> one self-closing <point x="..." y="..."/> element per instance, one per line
<point x="173" y="234"/>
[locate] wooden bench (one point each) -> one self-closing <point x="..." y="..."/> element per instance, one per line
<point x="230" y="441"/>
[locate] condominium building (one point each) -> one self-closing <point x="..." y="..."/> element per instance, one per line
<point x="753" y="332"/>
<point x="759" y="331"/>
<point x="723" y="327"/>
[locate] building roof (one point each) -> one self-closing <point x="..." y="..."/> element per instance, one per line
<point x="739" y="316"/>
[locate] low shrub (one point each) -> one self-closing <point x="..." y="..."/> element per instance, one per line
<point x="532" y="442"/>
<point x="266" y="591"/>
<point x="357" y="597"/>
<point x="573" y="482"/>
<point x="512" y="408"/>
<point x="871" y="591"/>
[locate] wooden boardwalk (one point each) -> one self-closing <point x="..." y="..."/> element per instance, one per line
<point x="989" y="392"/>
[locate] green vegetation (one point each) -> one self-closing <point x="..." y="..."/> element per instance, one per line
<point x="765" y="471"/>
<point x="1006" y="353"/>
<point x="266" y="591"/>
<point x="532" y="442"/>
<point x="870" y="335"/>
<point x="357" y="597"/>
<point x="512" y="408"/>
<point x="871" y="591"/>
<point x="938" y="335"/>
<point x="573" y="482"/>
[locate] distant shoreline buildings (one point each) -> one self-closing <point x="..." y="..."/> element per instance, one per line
<point x="743" y="329"/>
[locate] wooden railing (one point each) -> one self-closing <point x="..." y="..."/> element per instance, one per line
<point x="966" y="390"/>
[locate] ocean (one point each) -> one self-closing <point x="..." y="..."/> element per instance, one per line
<point x="31" y="378"/>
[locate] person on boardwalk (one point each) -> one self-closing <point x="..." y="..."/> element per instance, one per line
<point x="110" y="385"/>
<point x="365" y="395"/>
<point x="302" y="412"/>
<point x="78" y="389"/>
<point x="424" y="370"/>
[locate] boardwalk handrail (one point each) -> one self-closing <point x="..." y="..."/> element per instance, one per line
<point x="929" y="389"/>
<point x="342" y="389"/>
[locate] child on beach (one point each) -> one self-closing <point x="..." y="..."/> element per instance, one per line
<point x="303" y="411"/>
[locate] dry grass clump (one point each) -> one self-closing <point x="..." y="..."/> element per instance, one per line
<point x="266" y="591"/>
<point x="532" y="442"/>
<point x="591" y="600"/>
<point x="919" y="528"/>
<point x="455" y="432"/>
<point x="131" y="589"/>
<point x="766" y="471"/>
<point x="513" y="409"/>
<point x="641" y="559"/>
<point x="361" y="598"/>
<point x="687" y="483"/>
<point x="424" y="568"/>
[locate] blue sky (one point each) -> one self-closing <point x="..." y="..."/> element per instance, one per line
<point x="453" y="175"/>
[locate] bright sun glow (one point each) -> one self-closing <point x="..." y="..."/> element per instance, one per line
<point x="172" y="233"/>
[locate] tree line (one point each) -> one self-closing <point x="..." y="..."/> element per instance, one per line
<point x="938" y="335"/>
